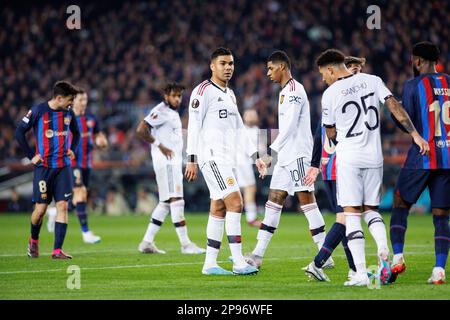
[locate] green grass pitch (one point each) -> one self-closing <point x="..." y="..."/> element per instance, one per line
<point x="114" y="269"/>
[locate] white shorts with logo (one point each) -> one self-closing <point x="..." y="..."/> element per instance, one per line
<point x="245" y="175"/>
<point x="220" y="179"/>
<point x="358" y="186"/>
<point x="169" y="178"/>
<point x="290" y="177"/>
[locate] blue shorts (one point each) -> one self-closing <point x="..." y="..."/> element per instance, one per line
<point x="49" y="183"/>
<point x="81" y="177"/>
<point x="412" y="182"/>
<point x="330" y="187"/>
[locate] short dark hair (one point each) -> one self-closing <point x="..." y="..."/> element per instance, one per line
<point x="280" y="56"/>
<point x="221" y="52"/>
<point x="173" y="86"/>
<point x="65" y="89"/>
<point x="426" y="50"/>
<point x="330" y="56"/>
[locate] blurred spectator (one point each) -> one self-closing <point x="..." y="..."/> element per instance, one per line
<point x="17" y="203"/>
<point x="115" y="204"/>
<point x="146" y="201"/>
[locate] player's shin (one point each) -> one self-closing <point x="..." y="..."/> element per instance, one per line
<point x="441" y="239"/>
<point x="378" y="230"/>
<point x="214" y="233"/>
<point x="398" y="226"/>
<point x="177" y="215"/>
<point x="356" y="240"/>
<point x="233" y="230"/>
<point x="268" y="227"/>
<point x="82" y="216"/>
<point x="158" y="216"/>
<point x="316" y="223"/>
<point x="332" y="239"/>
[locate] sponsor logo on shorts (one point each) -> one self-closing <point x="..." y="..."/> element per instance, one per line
<point x="195" y="103"/>
<point x="43" y="196"/>
<point x="230" y="181"/>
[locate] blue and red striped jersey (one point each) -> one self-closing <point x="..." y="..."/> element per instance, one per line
<point x="51" y="130"/>
<point x="426" y="98"/>
<point x="89" y="127"/>
<point x="328" y="157"/>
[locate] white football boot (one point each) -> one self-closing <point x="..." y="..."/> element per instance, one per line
<point x="192" y="248"/>
<point x="437" y="276"/>
<point x="149" y="247"/>
<point x="89" y="237"/>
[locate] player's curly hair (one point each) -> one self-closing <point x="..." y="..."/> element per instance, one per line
<point x="173" y="86"/>
<point x="330" y="56"/>
<point x="426" y="50"/>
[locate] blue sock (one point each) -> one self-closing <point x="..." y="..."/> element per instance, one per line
<point x="60" y="234"/>
<point x="351" y="263"/>
<point x="82" y="216"/>
<point x="35" y="229"/>
<point x="70" y="205"/>
<point x="399" y="223"/>
<point x="332" y="239"/>
<point x="441" y="239"/>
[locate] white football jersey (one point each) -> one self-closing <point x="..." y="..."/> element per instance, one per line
<point x="294" y="139"/>
<point x="352" y="104"/>
<point x="166" y="127"/>
<point x="215" y="126"/>
<point x="253" y="137"/>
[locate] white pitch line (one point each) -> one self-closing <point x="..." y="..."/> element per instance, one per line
<point x="165" y="264"/>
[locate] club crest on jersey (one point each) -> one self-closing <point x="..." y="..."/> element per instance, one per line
<point x="195" y="103"/>
<point x="282" y="99"/>
<point x="223" y="113"/>
<point x="66" y="120"/>
<point x="230" y="181"/>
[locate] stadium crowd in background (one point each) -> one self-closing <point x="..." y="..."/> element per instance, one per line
<point x="125" y="52"/>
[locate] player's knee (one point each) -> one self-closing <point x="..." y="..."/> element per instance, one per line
<point x="305" y="197"/>
<point x="440" y="212"/>
<point x="277" y="197"/>
<point x="62" y="206"/>
<point x="40" y="210"/>
<point x="235" y="206"/>
<point x="399" y="202"/>
<point x="340" y="218"/>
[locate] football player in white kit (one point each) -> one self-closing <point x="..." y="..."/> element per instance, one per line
<point x="244" y="170"/>
<point x="350" y="114"/>
<point x="293" y="145"/>
<point x="214" y="130"/>
<point x="162" y="129"/>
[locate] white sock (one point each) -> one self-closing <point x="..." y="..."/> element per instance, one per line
<point x="356" y="241"/>
<point x="316" y="223"/>
<point x="157" y="219"/>
<point x="378" y="231"/>
<point x="233" y="230"/>
<point x="214" y="233"/>
<point x="268" y="227"/>
<point x="177" y="215"/>
<point x="251" y="212"/>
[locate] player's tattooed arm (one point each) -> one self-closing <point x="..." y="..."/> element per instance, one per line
<point x="403" y="118"/>
<point x="143" y="131"/>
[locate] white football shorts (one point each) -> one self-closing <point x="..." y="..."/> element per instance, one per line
<point x="290" y="177"/>
<point x="220" y="179"/>
<point x="169" y="178"/>
<point x="245" y="175"/>
<point x="358" y="186"/>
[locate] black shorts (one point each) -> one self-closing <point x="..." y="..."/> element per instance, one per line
<point x="52" y="183"/>
<point x="412" y="182"/>
<point x="81" y="177"/>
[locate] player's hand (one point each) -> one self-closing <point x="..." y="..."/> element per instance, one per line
<point x="311" y="176"/>
<point x="37" y="159"/>
<point x="166" y="151"/>
<point x="191" y="171"/>
<point x="71" y="154"/>
<point x="423" y="145"/>
<point x="267" y="160"/>
<point x="100" y="141"/>
<point x="262" y="168"/>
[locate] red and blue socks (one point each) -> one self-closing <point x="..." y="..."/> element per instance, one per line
<point x="398" y="226"/>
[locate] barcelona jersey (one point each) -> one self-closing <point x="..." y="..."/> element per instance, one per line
<point x="328" y="157"/>
<point x="88" y="127"/>
<point x="51" y="130"/>
<point x="426" y="98"/>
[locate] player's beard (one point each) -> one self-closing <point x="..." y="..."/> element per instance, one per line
<point x="416" y="71"/>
